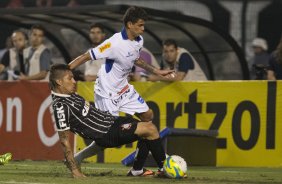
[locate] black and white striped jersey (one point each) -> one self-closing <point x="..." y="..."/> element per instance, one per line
<point x="73" y="113"/>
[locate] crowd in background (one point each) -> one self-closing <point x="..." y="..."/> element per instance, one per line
<point x="27" y="58"/>
<point x="264" y="65"/>
<point x="46" y="3"/>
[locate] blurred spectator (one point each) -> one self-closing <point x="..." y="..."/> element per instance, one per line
<point x="15" y="4"/>
<point x="97" y="36"/>
<point x="274" y="70"/>
<point x="179" y="59"/>
<point x="140" y="74"/>
<point x="44" y="3"/>
<point x="12" y="60"/>
<point x="72" y="3"/>
<point x="37" y="57"/>
<point x="259" y="62"/>
<point x="8" y="44"/>
<point x="47" y="3"/>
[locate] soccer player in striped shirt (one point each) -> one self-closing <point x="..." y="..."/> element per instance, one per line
<point x="74" y="114"/>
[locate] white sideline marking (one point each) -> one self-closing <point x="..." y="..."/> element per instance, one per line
<point x="16" y="182"/>
<point x="104" y="168"/>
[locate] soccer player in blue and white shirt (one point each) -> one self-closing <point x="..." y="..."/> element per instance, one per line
<point x="113" y="93"/>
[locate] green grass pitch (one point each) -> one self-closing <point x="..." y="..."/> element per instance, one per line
<point x="53" y="172"/>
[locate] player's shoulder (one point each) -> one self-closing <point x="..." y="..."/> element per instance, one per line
<point x="110" y="42"/>
<point x="115" y="38"/>
<point x="58" y="103"/>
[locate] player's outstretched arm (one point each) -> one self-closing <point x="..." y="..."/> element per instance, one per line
<point x="80" y="60"/>
<point x="162" y="73"/>
<point x="177" y="76"/>
<point x="71" y="164"/>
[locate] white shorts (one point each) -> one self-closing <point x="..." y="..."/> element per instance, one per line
<point x="129" y="102"/>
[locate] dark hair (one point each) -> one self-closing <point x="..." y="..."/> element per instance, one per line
<point x="57" y="72"/>
<point x="133" y="14"/>
<point x="38" y="26"/>
<point x="21" y="31"/>
<point x="98" y="25"/>
<point x="168" y="42"/>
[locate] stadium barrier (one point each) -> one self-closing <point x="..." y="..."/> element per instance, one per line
<point x="247" y="115"/>
<point x="26" y="126"/>
<point x="199" y="149"/>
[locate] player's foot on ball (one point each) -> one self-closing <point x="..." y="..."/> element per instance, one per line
<point x="144" y="173"/>
<point x="4" y="159"/>
<point x="160" y="174"/>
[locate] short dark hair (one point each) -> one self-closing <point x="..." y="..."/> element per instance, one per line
<point x="170" y="41"/>
<point x="98" y="25"/>
<point x="57" y="72"/>
<point x="133" y="14"/>
<point x="38" y="26"/>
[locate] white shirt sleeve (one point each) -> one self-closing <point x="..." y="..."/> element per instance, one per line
<point x="104" y="50"/>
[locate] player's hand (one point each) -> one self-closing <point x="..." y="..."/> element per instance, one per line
<point x="171" y="75"/>
<point x="77" y="174"/>
<point x="165" y="73"/>
<point x="168" y="74"/>
<point x="22" y="77"/>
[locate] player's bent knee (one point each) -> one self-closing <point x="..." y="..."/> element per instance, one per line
<point x="152" y="131"/>
<point x="147" y="130"/>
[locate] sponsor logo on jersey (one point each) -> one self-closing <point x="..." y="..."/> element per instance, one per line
<point x="129" y="54"/>
<point x="104" y="47"/>
<point x="61" y="117"/>
<point x="85" y="108"/>
<point x="132" y="95"/>
<point x="140" y="99"/>
<point x="126" y="126"/>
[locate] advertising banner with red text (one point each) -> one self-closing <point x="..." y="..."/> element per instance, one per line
<point x="27" y="127"/>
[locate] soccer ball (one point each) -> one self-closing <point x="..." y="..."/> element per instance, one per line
<point x="175" y="167"/>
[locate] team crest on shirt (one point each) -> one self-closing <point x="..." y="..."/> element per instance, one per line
<point x="85" y="108"/>
<point x="104" y="47"/>
<point x="126" y="126"/>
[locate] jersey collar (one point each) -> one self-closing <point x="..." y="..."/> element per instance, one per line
<point x="125" y="36"/>
<point x="59" y="94"/>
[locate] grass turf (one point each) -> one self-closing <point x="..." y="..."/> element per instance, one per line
<point x="40" y="172"/>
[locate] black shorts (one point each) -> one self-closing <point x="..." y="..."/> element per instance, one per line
<point x="121" y="132"/>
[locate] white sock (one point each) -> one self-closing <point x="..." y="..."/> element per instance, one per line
<point x="89" y="151"/>
<point x="136" y="172"/>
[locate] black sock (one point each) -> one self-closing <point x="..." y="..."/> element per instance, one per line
<point x="141" y="155"/>
<point x="157" y="150"/>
